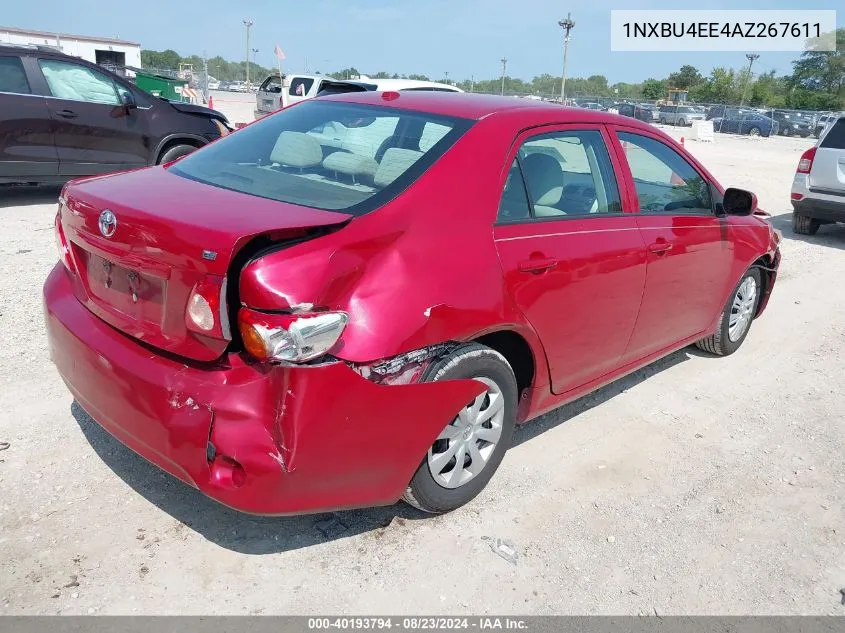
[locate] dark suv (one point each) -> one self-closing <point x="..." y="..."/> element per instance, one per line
<point x="62" y="117"/>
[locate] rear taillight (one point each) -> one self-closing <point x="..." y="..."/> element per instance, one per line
<point x="796" y="196"/>
<point x="61" y="242"/>
<point x="292" y="338"/>
<point x="206" y="311"/>
<point x="806" y="162"/>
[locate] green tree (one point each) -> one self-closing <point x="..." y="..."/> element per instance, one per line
<point x="160" y="60"/>
<point x="653" y="89"/>
<point x="819" y="76"/>
<point x="687" y="77"/>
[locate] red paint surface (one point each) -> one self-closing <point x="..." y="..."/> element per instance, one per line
<point x="430" y="266"/>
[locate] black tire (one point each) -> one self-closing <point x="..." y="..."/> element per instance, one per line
<point x="177" y="151"/>
<point x="720" y="343"/>
<point x="662" y="121"/>
<point x="682" y="122"/>
<point x="467" y="361"/>
<point x="804" y="225"/>
<point x="755" y="131"/>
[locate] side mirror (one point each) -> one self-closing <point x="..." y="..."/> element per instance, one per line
<point x="128" y="101"/>
<point x="739" y="202"/>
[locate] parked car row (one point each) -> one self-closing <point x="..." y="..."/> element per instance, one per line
<point x="236" y="86"/>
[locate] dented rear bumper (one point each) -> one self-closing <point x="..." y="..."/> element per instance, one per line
<point x="308" y="439"/>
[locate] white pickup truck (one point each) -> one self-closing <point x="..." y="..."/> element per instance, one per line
<point x="818" y="190"/>
<point x="273" y="96"/>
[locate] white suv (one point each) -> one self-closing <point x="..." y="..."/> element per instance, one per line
<point x="818" y="190"/>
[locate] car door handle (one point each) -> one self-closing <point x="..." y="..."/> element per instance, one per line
<point x="659" y="248"/>
<point x="67" y="114"/>
<point x="537" y="266"/>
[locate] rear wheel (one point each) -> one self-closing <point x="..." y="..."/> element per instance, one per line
<point x="177" y="151"/>
<point x="736" y="318"/>
<point x="755" y="131"/>
<point x="662" y="121"/>
<point x="804" y="225"/>
<point x="682" y="122"/>
<point x="470" y="448"/>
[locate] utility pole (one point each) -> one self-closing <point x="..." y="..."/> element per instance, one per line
<point x="447" y="76"/>
<point x="504" y="70"/>
<point x="472" y="83"/>
<point x="751" y="57"/>
<point x="567" y="25"/>
<point x="248" y="24"/>
<point x="205" y="76"/>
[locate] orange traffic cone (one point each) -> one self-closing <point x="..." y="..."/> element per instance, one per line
<point x="210" y="102"/>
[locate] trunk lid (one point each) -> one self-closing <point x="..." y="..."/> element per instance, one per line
<point x="169" y="234"/>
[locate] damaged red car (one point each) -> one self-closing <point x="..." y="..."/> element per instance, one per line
<point x="357" y="299"/>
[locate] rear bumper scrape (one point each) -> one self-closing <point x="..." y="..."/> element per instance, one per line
<point x="308" y="439"/>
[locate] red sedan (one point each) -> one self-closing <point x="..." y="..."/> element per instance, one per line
<point x="356" y="300"/>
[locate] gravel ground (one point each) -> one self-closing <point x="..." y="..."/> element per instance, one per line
<point x="695" y="486"/>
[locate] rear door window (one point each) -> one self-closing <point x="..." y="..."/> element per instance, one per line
<point x="78" y="83"/>
<point x="835" y="138"/>
<point x="13" y="77"/>
<point x="566" y="174"/>
<point x="665" y="182"/>
<point x="300" y="86"/>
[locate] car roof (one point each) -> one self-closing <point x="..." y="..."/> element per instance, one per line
<point x="477" y="106"/>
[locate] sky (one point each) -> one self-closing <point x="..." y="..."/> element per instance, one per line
<point x="462" y="37"/>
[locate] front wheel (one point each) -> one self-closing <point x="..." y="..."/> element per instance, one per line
<point x="736" y="318"/>
<point x="755" y="131"/>
<point x="470" y="448"/>
<point x="177" y="151"/>
<point x="662" y="121"/>
<point x="682" y="122"/>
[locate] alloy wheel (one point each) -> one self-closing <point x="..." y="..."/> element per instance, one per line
<point x="464" y="447"/>
<point x="742" y="309"/>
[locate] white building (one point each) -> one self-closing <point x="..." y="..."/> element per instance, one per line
<point x="99" y="50"/>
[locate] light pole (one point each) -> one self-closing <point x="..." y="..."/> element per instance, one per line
<point x="248" y="24"/>
<point x="447" y="76"/>
<point x="504" y="70"/>
<point x="751" y="57"/>
<point x="567" y="25"/>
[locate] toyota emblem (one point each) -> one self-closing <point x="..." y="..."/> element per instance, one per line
<point x="108" y="223"/>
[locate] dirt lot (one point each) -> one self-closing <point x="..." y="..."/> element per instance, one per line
<point x="698" y="485"/>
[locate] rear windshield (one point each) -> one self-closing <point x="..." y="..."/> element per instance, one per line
<point x="271" y="84"/>
<point x="835" y="138"/>
<point x="326" y="155"/>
